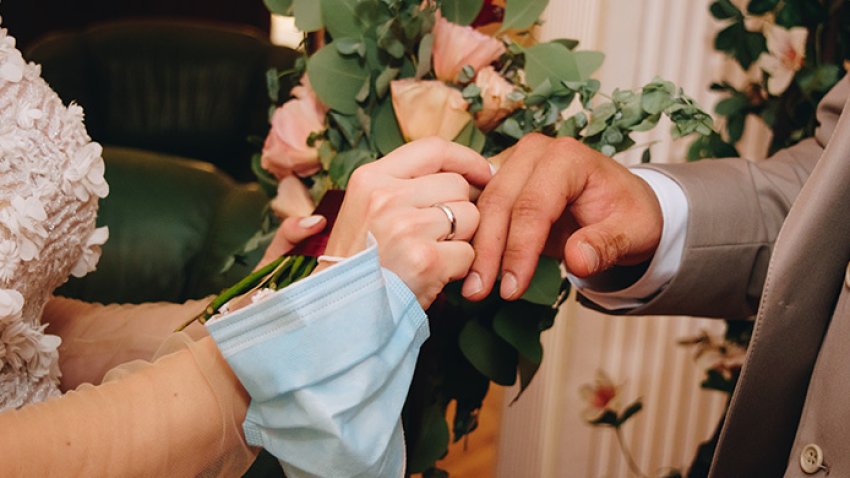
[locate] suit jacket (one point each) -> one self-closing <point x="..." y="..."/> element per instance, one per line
<point x="772" y="238"/>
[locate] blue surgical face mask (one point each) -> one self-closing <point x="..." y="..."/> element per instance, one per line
<point x="328" y="363"/>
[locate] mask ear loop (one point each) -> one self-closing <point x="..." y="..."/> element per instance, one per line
<point x="331" y="259"/>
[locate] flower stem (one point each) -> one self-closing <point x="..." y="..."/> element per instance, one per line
<point x="629" y="460"/>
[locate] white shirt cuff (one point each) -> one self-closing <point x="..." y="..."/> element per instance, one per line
<point x="665" y="263"/>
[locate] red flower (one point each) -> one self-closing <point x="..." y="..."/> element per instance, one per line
<point x="493" y="11"/>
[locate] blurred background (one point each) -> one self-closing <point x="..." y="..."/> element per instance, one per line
<point x="166" y="112"/>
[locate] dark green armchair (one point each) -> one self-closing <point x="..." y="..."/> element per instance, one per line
<point x="173" y="224"/>
<point x="189" y="88"/>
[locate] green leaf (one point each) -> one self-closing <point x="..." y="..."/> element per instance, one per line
<point x="489" y="354"/>
<point x="629" y="412"/>
<point x="432" y="442"/>
<point x="471" y="137"/>
<point x="516" y="323"/>
<point x="382" y="83"/>
<point x="599" y="119"/>
<point x="435" y="473"/>
<point x="308" y="15"/>
<point x="461" y="12"/>
<point x="760" y="7"/>
<point x="273" y="85"/>
<point x="426" y="46"/>
<point x="732" y="105"/>
<point x="522" y="14"/>
<point x="340" y="18"/>
<point x="724" y="9"/>
<point x="527" y="369"/>
<point x="556" y="63"/>
<point x="279" y="7"/>
<point x="655" y="101"/>
<point x="546" y="283"/>
<point x="336" y="79"/>
<point x="350" y="46"/>
<point x="385" y="129"/>
<point x="570" y="43"/>
<point x="344" y="163"/>
<point x="646" y="157"/>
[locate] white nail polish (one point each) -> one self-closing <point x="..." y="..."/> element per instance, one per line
<point x="310" y="221"/>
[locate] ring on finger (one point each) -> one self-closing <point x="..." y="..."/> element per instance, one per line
<point x="450" y="215"/>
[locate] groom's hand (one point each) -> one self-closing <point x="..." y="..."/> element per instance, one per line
<point x="561" y="198"/>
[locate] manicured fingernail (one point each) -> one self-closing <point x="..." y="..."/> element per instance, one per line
<point x="591" y="258"/>
<point x="509" y="286"/>
<point x="472" y="285"/>
<point x="310" y="221"/>
<point x="493" y="169"/>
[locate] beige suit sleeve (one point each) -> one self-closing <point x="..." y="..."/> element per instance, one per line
<point x="736" y="208"/>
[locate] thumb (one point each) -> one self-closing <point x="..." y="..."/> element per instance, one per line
<point x="291" y="232"/>
<point x="595" y="248"/>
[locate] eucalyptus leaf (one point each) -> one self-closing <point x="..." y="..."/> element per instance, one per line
<point x="461" y="12"/>
<point x="308" y="15"/>
<point x="522" y="14"/>
<point x="545" y="285"/>
<point x="471" y="137"/>
<point x="488" y="353"/>
<point x="526" y="369"/>
<point x="570" y="43"/>
<point x="344" y="163"/>
<point x="349" y="46"/>
<point x="385" y="130"/>
<point x="516" y="323"/>
<point x="556" y="63"/>
<point x="382" y="83"/>
<point x="273" y="85"/>
<point x="426" y="45"/>
<point x="336" y="79"/>
<point x="432" y="442"/>
<point x="340" y="18"/>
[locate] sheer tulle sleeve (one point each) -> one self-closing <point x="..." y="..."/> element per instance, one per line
<point x="96" y="337"/>
<point x="172" y="408"/>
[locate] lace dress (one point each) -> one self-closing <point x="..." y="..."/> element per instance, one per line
<point x="51" y="177"/>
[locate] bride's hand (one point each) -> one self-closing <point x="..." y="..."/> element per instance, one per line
<point x="394" y="198"/>
<point x="292" y="231"/>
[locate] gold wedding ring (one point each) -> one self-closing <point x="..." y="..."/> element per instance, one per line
<point x="451" y="217"/>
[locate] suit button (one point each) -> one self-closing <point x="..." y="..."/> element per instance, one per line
<point x="811" y="459"/>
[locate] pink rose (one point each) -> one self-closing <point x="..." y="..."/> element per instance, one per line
<point x="428" y="108"/>
<point x="286" y="150"/>
<point x="456" y="46"/>
<point x="293" y="199"/>
<point x="494" y="96"/>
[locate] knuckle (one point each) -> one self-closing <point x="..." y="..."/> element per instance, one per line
<point x="616" y="246"/>
<point x="423" y="258"/>
<point x="494" y="200"/>
<point x="433" y="142"/>
<point x="361" y="178"/>
<point x="380" y="201"/>
<point x="528" y="207"/>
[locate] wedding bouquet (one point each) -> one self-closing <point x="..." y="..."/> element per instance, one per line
<point x="385" y="72"/>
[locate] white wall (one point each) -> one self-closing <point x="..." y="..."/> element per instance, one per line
<point x="542" y="435"/>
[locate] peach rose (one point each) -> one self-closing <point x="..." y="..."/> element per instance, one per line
<point x="428" y="108"/>
<point x="293" y="199"/>
<point x="456" y="46"/>
<point x="494" y="96"/>
<point x="286" y="150"/>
